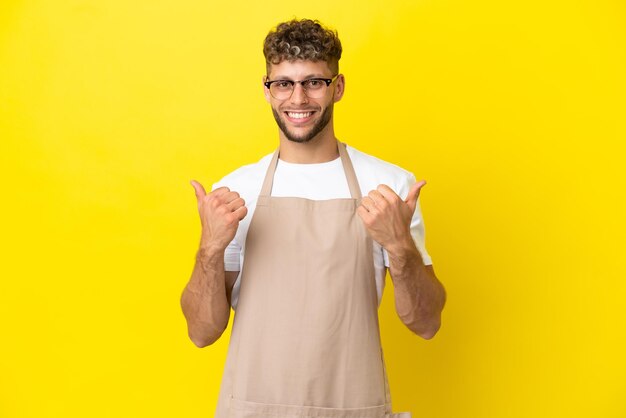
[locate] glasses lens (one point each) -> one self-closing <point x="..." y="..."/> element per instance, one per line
<point x="281" y="89"/>
<point x="315" y="88"/>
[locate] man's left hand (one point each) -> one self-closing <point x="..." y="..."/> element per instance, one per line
<point x="387" y="217"/>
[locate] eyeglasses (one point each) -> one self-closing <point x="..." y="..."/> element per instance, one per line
<point x="314" y="88"/>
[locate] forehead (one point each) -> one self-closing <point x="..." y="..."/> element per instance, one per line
<point x="299" y="69"/>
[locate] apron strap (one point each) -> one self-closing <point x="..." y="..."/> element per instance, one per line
<point x="353" y="183"/>
<point x="266" y="189"/>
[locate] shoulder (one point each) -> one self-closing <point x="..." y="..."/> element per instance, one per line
<point x="246" y="179"/>
<point x="372" y="171"/>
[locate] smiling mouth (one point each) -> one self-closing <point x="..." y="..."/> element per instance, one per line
<point x="299" y="116"/>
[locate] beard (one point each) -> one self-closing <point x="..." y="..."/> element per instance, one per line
<point x="307" y="136"/>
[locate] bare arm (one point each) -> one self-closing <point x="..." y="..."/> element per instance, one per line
<point x="206" y="298"/>
<point x="419" y="295"/>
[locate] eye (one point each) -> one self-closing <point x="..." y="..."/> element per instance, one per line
<point x="314" y="83"/>
<point x="282" y="85"/>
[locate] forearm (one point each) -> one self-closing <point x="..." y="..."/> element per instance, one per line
<point x="204" y="302"/>
<point x="419" y="296"/>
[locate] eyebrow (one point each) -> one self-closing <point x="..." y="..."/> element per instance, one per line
<point x="317" y="75"/>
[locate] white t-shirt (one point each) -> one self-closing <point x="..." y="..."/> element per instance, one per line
<point x="318" y="182"/>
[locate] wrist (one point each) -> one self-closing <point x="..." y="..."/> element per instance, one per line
<point x="402" y="248"/>
<point x="210" y="259"/>
<point x="212" y="246"/>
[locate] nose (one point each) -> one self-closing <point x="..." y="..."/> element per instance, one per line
<point x="298" y="95"/>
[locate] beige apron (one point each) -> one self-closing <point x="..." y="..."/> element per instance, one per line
<point x="305" y="340"/>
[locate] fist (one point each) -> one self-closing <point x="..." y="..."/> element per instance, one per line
<point x="220" y="213"/>
<point x="387" y="217"/>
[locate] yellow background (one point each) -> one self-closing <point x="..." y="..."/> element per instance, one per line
<point x="512" y="111"/>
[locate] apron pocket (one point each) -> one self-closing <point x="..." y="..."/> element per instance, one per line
<point x="246" y="409"/>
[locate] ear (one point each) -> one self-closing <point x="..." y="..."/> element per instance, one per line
<point x="340" y="85"/>
<point x="266" y="91"/>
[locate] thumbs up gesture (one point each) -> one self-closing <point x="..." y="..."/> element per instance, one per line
<point x="220" y="212"/>
<point x="387" y="217"/>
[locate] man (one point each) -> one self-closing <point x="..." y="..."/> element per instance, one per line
<point x="304" y="271"/>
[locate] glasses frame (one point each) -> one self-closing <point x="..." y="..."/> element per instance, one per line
<point x="328" y="81"/>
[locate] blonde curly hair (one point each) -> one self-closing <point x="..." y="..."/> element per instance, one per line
<point x="303" y="39"/>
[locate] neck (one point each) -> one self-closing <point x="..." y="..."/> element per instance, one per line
<point x="320" y="149"/>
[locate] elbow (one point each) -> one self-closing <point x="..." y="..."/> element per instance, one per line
<point x="203" y="336"/>
<point x="425" y="329"/>
<point x="433" y="325"/>
<point x="429" y="333"/>
<point x="202" y="341"/>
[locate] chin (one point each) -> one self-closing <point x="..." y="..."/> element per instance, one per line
<point x="299" y="140"/>
<point x="310" y="134"/>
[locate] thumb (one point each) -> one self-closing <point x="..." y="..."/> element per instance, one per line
<point x="414" y="193"/>
<point x="200" y="192"/>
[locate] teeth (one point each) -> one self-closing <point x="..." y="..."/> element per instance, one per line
<point x="294" y="115"/>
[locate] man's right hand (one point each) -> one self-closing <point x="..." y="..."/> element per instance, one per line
<point x="220" y="212"/>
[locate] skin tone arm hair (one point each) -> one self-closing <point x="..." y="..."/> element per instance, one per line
<point x="419" y="296"/>
<point x="206" y="298"/>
